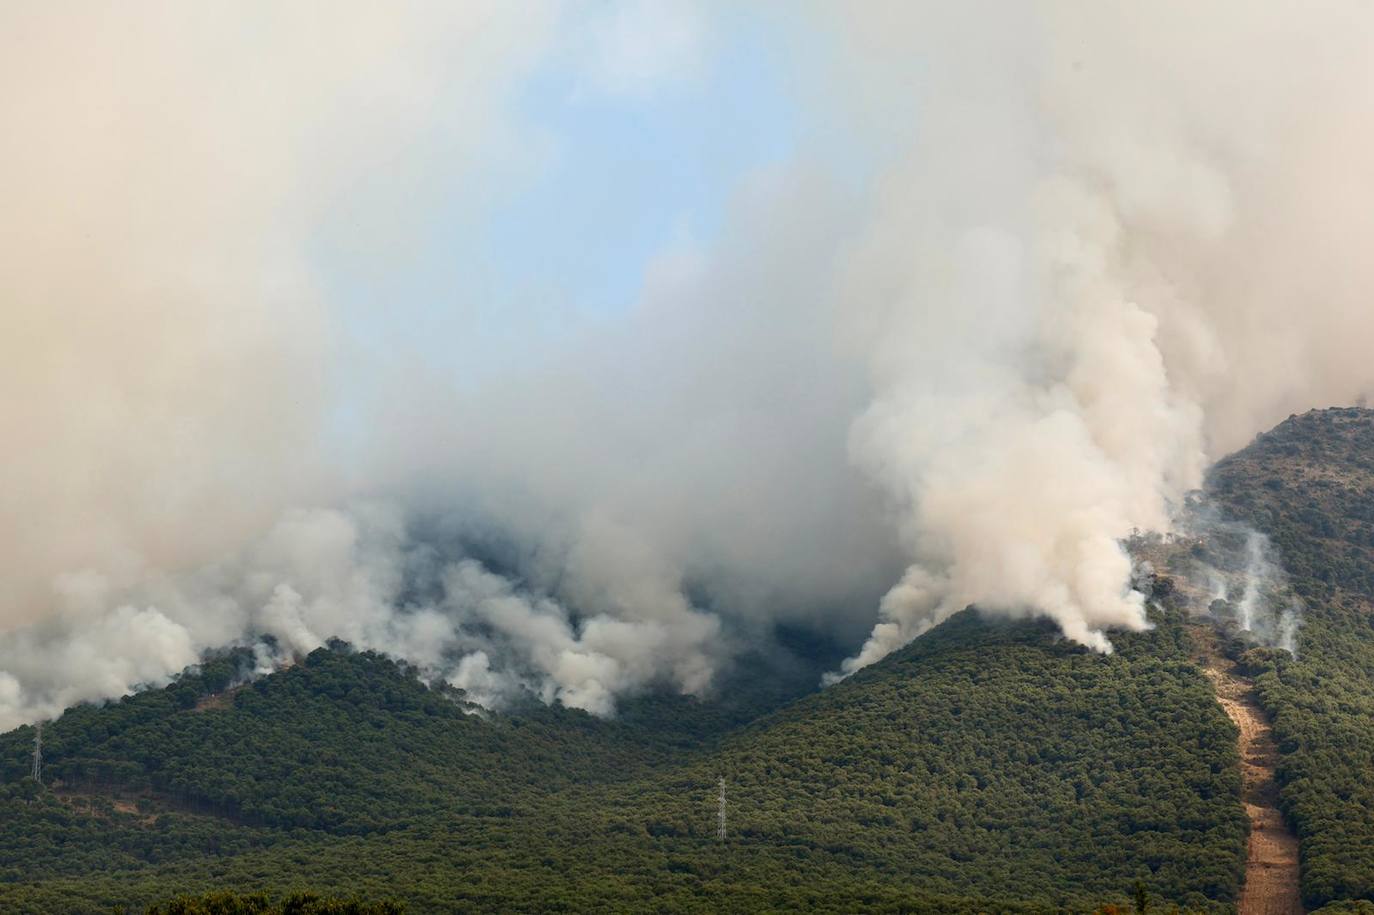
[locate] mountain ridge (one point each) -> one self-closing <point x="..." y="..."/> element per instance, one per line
<point x="988" y="765"/>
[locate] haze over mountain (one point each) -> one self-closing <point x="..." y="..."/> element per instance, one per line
<point x="989" y="766"/>
<point x="504" y="419"/>
<point x="982" y="309"/>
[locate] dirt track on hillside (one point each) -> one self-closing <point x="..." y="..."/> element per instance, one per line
<point x="1271" y="866"/>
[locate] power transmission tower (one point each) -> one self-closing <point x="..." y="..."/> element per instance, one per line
<point x="720" y="812"/>
<point x="38" y="752"/>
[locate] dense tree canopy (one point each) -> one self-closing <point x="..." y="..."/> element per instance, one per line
<point x="986" y="766"/>
<point x="1309" y="484"/>
<point x="988" y="763"/>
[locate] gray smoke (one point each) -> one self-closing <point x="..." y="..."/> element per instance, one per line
<point x="1249" y="588"/>
<point x="1096" y="246"/>
<point x="1226" y="571"/>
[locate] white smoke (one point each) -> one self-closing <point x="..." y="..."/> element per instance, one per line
<point x="167" y="357"/>
<point x="1067" y="280"/>
<point x="1234" y="574"/>
<point x="359" y="576"/>
<point x="1100" y="245"/>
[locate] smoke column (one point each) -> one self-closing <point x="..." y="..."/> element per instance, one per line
<point x="1091" y="247"/>
<point x="1094" y="272"/>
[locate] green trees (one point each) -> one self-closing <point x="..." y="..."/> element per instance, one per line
<point x="229" y="903"/>
<point x="986" y="765"/>
<point x="1309" y="484"/>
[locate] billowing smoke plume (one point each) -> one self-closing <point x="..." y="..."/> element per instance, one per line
<point x="1096" y="245"/>
<point x="1123" y="244"/>
<point x="167" y="358"/>
<point x="361" y="576"/>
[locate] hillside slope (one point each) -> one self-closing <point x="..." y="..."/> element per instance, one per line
<point x="997" y="760"/>
<point x="986" y="764"/>
<point x="1309" y="484"/>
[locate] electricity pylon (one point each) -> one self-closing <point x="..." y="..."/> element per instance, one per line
<point x="720" y="812"/>
<point x="38" y="752"/>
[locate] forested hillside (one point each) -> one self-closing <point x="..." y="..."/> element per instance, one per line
<point x="1309" y="484"/>
<point x="987" y="764"/>
<point x="998" y="761"/>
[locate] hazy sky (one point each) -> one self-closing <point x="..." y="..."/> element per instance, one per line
<point x="636" y="126"/>
<point x="664" y="322"/>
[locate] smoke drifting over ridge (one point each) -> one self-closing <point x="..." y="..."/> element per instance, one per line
<point x="1103" y="246"/>
<point x="1110" y="241"/>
